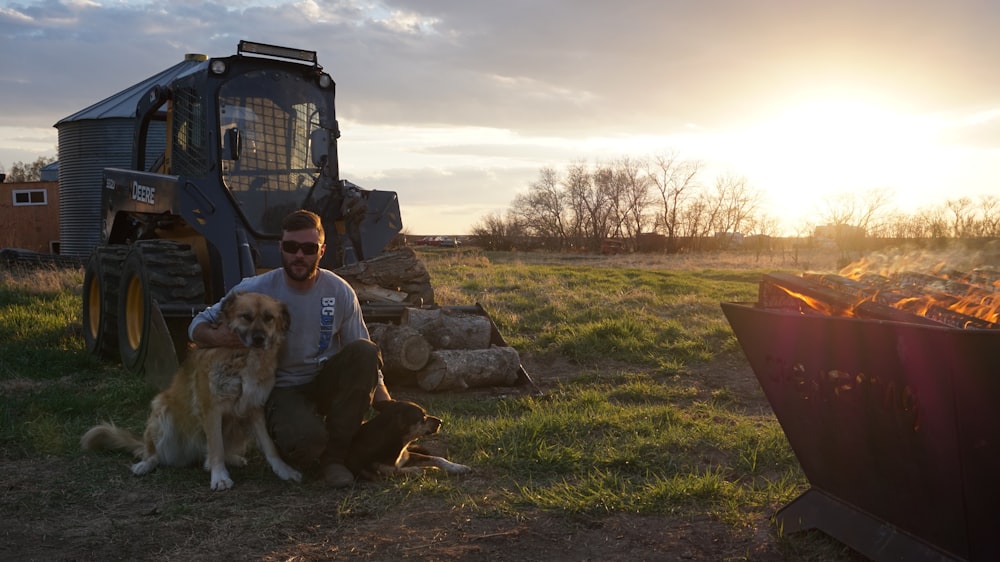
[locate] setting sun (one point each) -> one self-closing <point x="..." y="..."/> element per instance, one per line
<point x="809" y="150"/>
<point x="866" y="137"/>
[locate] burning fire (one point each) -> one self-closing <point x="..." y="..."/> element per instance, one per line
<point x="935" y="291"/>
<point x="922" y="293"/>
<point x="819" y="305"/>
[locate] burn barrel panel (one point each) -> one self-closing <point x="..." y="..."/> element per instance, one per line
<point x="976" y="368"/>
<point x="892" y="419"/>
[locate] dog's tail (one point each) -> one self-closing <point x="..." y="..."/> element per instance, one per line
<point x="108" y="436"/>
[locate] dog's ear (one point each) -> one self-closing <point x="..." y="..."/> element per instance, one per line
<point x="285" y="318"/>
<point x="229" y="301"/>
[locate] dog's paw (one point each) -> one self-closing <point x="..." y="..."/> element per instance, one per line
<point x="144" y="467"/>
<point x="285" y="472"/>
<point x="236" y="460"/>
<point x="221" y="480"/>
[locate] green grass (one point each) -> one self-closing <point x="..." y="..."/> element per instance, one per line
<point x="637" y="445"/>
<point x="660" y="319"/>
<point x="641" y="437"/>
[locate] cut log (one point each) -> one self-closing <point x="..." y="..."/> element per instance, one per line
<point x="784" y="290"/>
<point x="449" y="329"/>
<point x="923" y="300"/>
<point x="374" y="293"/>
<point x="399" y="271"/>
<point x="473" y="368"/>
<point x="404" y="350"/>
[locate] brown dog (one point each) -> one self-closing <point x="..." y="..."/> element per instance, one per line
<point x="215" y="402"/>
<point x="382" y="447"/>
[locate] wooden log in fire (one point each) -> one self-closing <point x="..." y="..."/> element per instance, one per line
<point x="918" y="294"/>
<point x="782" y="290"/>
<point x="988" y="279"/>
<point x="472" y="368"/>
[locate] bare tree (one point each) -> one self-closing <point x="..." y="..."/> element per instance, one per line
<point x="695" y="219"/>
<point x="578" y="186"/>
<point x="733" y="205"/>
<point x="596" y="197"/>
<point x="928" y="223"/>
<point x="497" y="232"/>
<point x="23" y="172"/>
<point x="963" y="217"/>
<point x="989" y="210"/>
<point x="634" y="197"/>
<point x="764" y="228"/>
<point x="899" y="225"/>
<point x="853" y="209"/>
<point x="675" y="180"/>
<point x="542" y="209"/>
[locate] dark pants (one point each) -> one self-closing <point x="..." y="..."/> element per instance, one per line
<point x="313" y="424"/>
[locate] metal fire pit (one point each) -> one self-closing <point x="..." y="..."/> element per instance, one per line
<point x="895" y="425"/>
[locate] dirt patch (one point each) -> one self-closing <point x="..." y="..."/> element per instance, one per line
<point x="91" y="508"/>
<point x="156" y="519"/>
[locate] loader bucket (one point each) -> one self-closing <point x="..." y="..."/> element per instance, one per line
<point x="894" y="425"/>
<point x="161" y="361"/>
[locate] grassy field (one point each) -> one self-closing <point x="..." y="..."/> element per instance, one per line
<point x="624" y="426"/>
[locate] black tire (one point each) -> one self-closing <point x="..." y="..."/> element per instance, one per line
<point x="163" y="271"/>
<point x="100" y="300"/>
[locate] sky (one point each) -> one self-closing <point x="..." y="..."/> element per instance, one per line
<point x="458" y="104"/>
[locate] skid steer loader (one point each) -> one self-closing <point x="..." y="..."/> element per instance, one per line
<point x="249" y="138"/>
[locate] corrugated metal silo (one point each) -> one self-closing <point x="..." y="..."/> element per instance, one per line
<point x="95" y="138"/>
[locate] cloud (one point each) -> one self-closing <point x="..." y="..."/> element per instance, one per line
<point x="543" y="82"/>
<point x="526" y="66"/>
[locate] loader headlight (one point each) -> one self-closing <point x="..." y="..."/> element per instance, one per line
<point x="325" y="80"/>
<point x="218" y="66"/>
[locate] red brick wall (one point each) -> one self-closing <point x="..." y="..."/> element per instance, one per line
<point x="30" y="227"/>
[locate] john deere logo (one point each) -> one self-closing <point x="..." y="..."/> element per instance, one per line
<point x="143" y="193"/>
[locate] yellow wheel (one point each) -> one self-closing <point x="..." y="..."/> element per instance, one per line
<point x="160" y="273"/>
<point x="100" y="300"/>
<point x="136" y="307"/>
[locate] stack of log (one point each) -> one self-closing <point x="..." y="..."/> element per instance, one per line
<point x="427" y="346"/>
<point x="397" y="276"/>
<point x="439" y="349"/>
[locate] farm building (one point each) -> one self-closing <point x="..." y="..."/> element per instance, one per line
<point x="29" y="216"/>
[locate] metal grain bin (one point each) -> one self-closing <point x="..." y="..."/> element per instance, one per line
<point x="95" y="138"/>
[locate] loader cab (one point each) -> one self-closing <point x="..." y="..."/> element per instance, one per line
<point x="253" y="137"/>
<point x="269" y="120"/>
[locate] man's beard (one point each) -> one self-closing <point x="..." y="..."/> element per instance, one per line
<point x="311" y="264"/>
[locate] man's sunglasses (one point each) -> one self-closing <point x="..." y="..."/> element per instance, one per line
<point x="291" y="247"/>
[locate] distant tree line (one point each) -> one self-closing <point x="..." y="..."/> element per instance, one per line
<point x="660" y="203"/>
<point x="30" y="171"/>
<point x="627" y="200"/>
<point x="862" y="222"/>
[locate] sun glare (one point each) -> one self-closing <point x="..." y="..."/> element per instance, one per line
<point x="817" y="148"/>
<point x="833" y="127"/>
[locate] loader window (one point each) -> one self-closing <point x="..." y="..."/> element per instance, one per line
<point x="190" y="150"/>
<point x="275" y="113"/>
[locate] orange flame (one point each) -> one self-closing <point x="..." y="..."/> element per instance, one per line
<point x="818" y="305"/>
<point x="980" y="301"/>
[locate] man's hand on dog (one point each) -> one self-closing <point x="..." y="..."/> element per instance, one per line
<point x="212" y="335"/>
